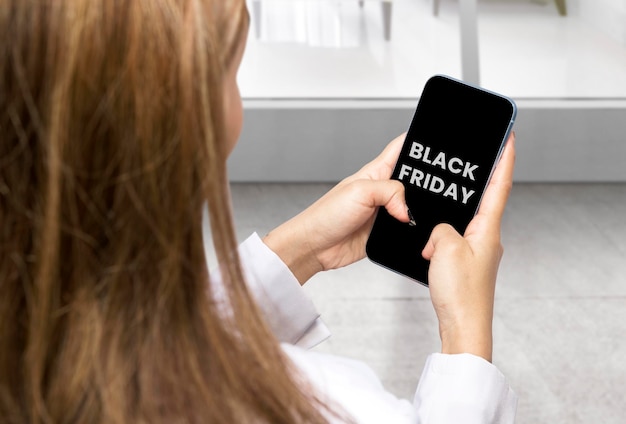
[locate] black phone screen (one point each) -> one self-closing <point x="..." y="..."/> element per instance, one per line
<point x="453" y="143"/>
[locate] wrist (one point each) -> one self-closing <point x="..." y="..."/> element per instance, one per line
<point x="290" y="247"/>
<point x="464" y="339"/>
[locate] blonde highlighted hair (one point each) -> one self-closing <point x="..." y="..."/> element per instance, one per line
<point x="111" y="144"/>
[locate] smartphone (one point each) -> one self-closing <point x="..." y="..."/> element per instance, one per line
<point x="451" y="149"/>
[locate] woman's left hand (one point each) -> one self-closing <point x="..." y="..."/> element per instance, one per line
<point x="333" y="231"/>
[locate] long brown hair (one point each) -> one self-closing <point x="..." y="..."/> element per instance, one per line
<point x="111" y="129"/>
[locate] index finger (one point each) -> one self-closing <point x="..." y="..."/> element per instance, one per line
<point x="499" y="188"/>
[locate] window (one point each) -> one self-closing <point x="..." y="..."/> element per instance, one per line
<point x="337" y="49"/>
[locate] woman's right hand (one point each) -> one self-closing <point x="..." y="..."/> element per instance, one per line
<point x="463" y="269"/>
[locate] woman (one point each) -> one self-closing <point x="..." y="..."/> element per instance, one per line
<point x="116" y="119"/>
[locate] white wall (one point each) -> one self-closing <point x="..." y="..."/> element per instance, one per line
<point x="312" y="141"/>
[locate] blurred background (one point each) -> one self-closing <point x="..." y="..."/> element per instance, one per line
<point x="327" y="83"/>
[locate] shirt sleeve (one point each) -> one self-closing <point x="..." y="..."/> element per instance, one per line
<point x="290" y="313"/>
<point x="453" y="389"/>
<point x="463" y="388"/>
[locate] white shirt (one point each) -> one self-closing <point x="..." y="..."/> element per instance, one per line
<point x="452" y="389"/>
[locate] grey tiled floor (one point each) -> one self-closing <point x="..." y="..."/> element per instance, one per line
<point x="560" y="317"/>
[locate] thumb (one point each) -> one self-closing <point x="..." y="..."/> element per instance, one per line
<point x="390" y="194"/>
<point x="441" y="234"/>
<point x="386" y="193"/>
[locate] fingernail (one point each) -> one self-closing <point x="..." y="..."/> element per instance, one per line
<point x="412" y="222"/>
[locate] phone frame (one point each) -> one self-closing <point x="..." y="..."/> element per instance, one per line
<point x="374" y="246"/>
